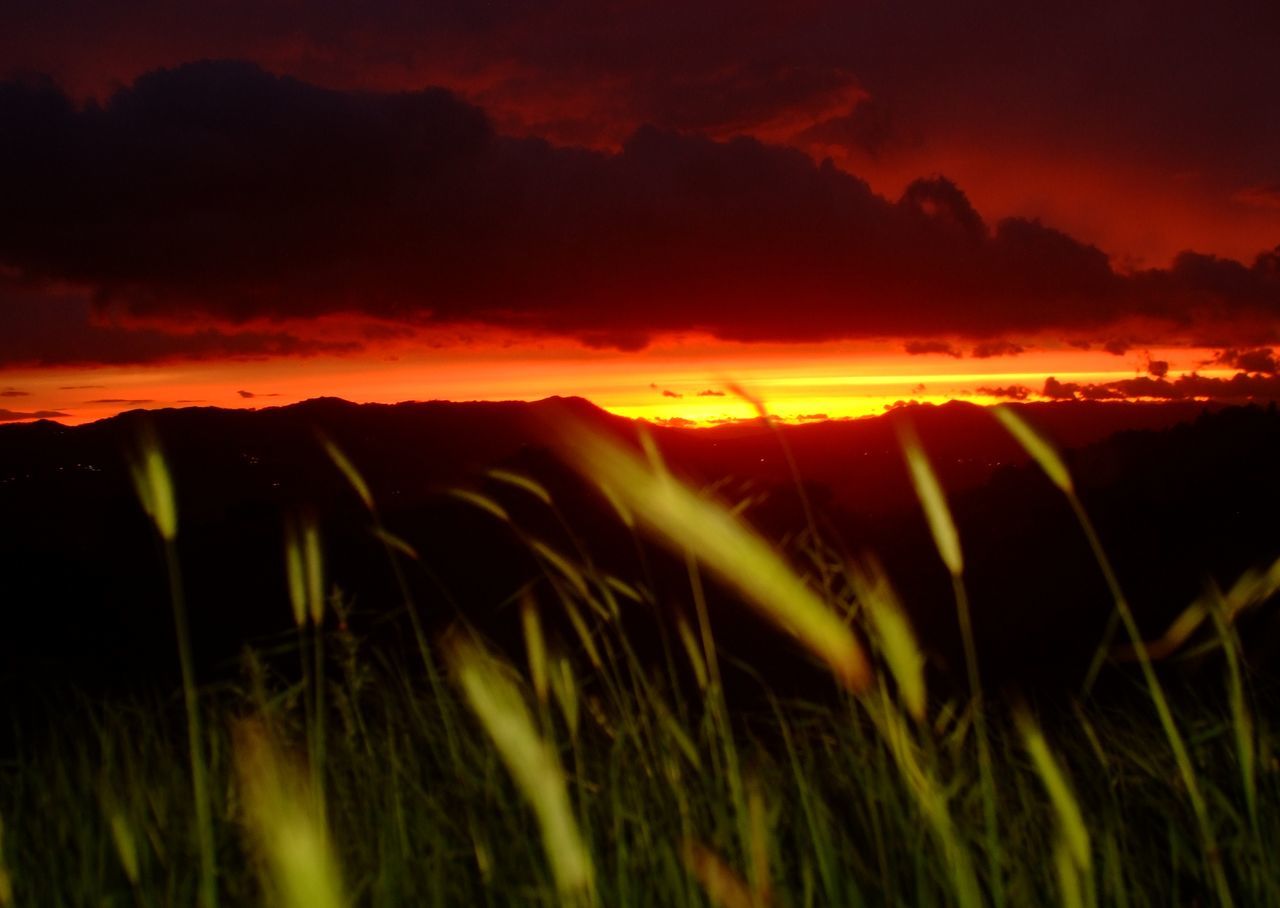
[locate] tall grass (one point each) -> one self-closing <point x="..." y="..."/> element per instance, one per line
<point x="947" y="540"/>
<point x="1043" y="453"/>
<point x="597" y="774"/>
<point x="154" y="487"/>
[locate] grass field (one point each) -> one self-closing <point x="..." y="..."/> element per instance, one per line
<point x="587" y="774"/>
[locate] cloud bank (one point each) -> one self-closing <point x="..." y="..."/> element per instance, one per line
<point x="215" y="198"/>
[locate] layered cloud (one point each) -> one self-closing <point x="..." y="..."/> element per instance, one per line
<point x="20" y="416"/>
<point x="1069" y="112"/>
<point x="1238" y="388"/>
<point x="204" y="205"/>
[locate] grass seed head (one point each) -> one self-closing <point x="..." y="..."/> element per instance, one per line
<point x="535" y="645"/>
<point x="1070" y="820"/>
<point x="932" y="499"/>
<point x="343" y="463"/>
<point x="285" y="823"/>
<point x="690" y="523"/>
<point x="153" y="484"/>
<point x="893" y="630"/>
<point x="497" y="703"/>
<point x="1041" y="451"/>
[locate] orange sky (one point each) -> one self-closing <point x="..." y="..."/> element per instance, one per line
<point x="245" y="205"/>
<point x="796" y="380"/>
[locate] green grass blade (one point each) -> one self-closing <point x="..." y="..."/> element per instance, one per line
<point x="932" y="500"/>
<point x="504" y="715"/>
<point x="1070" y="819"/>
<point x="286" y="824"/>
<point x="708" y="531"/>
<point x="1041" y="451"/>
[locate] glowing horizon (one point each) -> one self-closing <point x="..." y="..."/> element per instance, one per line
<point x="683" y="380"/>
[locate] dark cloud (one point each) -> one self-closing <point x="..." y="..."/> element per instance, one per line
<point x="1157" y="367"/>
<point x="1174" y="102"/>
<point x="1058" y="390"/>
<point x="16" y="416"/>
<point x="670" y="393"/>
<point x="925" y="347"/>
<point x="989" y="349"/>
<point x="58" y="327"/>
<point x="120" y="401"/>
<point x="1192" y="83"/>
<point x="1260" y="196"/>
<point x="1261" y="360"/>
<point x="14" y="392"/>
<point x="1238" y="388"/>
<point x="1013" y="392"/>
<point x="711" y="392"/>
<point x="213" y="198"/>
<point x="869" y="128"/>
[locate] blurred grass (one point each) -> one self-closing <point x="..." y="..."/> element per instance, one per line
<point x="594" y="775"/>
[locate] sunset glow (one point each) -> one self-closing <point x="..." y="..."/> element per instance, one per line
<point x="674" y="380"/>
<point x="531" y="203"/>
<point x="647" y="452"/>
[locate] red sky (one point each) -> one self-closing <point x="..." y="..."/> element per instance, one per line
<point x="510" y="200"/>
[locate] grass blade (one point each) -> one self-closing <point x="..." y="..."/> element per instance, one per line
<point x="155" y="490"/>
<point x="533" y="765"/>
<point x="1041" y="451"/>
<point x="708" y="531"/>
<point x="932" y="500"/>
<point x="893" y="632"/>
<point x="286" y="824"/>
<point x="1070" y="820"/>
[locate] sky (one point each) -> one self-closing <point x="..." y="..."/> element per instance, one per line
<point x="838" y="205"/>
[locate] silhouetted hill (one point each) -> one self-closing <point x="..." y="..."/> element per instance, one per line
<point x="1180" y="495"/>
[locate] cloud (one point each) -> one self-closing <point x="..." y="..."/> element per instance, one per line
<point x="710" y="392"/>
<point x="1157" y="367"/>
<point x="1057" y="390"/>
<point x="1261" y="360"/>
<point x="120" y="401"/>
<point x="1240" y="387"/>
<point x="56" y="326"/>
<point x="1260" y="196"/>
<point x="14" y="392"/>
<point x="1013" y="392"/>
<point x="869" y="128"/>
<point x="207" y="210"/>
<point x="925" y="347"/>
<point x="932" y="86"/>
<point x="988" y="349"/>
<point x="16" y="416"/>
<point x="669" y="393"/>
